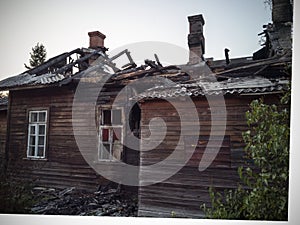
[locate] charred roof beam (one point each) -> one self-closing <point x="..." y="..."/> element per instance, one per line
<point x="78" y="61"/>
<point x="52" y="62"/>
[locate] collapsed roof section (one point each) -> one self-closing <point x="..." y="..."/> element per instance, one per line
<point x="72" y="66"/>
<point x="55" y="69"/>
<point x="244" y="76"/>
<point x="241" y="76"/>
<point x="92" y="64"/>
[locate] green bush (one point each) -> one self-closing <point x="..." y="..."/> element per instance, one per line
<point x="15" y="196"/>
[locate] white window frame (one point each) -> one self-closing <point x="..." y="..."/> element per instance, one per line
<point x="36" y="125"/>
<point x="110" y="141"/>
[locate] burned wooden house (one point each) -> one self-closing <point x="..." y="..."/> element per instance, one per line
<point x="51" y="144"/>
<point x="40" y="142"/>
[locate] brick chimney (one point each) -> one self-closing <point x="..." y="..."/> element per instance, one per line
<point x="280" y="32"/>
<point x="96" y="39"/>
<point x="278" y="35"/>
<point x="196" y="39"/>
<point x="282" y="11"/>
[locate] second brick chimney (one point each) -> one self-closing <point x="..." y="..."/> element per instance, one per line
<point x="196" y="39"/>
<point x="96" y="39"/>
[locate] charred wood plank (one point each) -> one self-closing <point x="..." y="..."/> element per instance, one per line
<point x="82" y="59"/>
<point x="51" y="62"/>
<point x="157" y="60"/>
<point x="141" y="72"/>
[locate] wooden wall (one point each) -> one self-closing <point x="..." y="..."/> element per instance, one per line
<point x="3" y="122"/>
<point x="183" y="193"/>
<point x="64" y="165"/>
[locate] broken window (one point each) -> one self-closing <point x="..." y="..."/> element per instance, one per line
<point x="37" y="134"/>
<point x="110" y="135"/>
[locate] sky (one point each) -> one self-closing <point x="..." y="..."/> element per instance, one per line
<point x="62" y="26"/>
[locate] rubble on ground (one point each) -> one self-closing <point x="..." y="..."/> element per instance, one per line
<point x="70" y="201"/>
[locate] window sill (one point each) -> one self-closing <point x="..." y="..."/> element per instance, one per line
<point x="108" y="162"/>
<point x="35" y="159"/>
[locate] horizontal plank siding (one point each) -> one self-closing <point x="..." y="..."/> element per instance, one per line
<point x="183" y="193"/>
<point x="3" y="128"/>
<point x="64" y="165"/>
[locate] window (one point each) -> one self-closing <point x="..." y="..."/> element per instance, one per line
<point x="37" y="134"/>
<point x="110" y="135"/>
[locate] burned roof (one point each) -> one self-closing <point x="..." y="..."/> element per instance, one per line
<point x="53" y="70"/>
<point x="74" y="65"/>
<point x="243" y="75"/>
<point x="59" y="70"/>
<point x="30" y="79"/>
<point x="239" y="85"/>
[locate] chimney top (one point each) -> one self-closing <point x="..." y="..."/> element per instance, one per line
<point x="196" y="18"/>
<point x="96" y="39"/>
<point x="96" y="33"/>
<point x="196" y="40"/>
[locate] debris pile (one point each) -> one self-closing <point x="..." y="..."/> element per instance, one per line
<point x="70" y="201"/>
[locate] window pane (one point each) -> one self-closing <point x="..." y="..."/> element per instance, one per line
<point x="117" y="150"/>
<point x="41" y="140"/>
<point x="42" y="116"/>
<point x="42" y="129"/>
<point x="106" y="117"/>
<point x="105" y="151"/>
<point x="32" y="140"/>
<point x="33" y="117"/>
<point x="117" y="117"/>
<point x="32" y="129"/>
<point x="117" y="133"/>
<point x="40" y="151"/>
<point x="105" y="134"/>
<point x="31" y="151"/>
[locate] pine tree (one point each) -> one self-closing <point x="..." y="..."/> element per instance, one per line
<point x="37" y="56"/>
